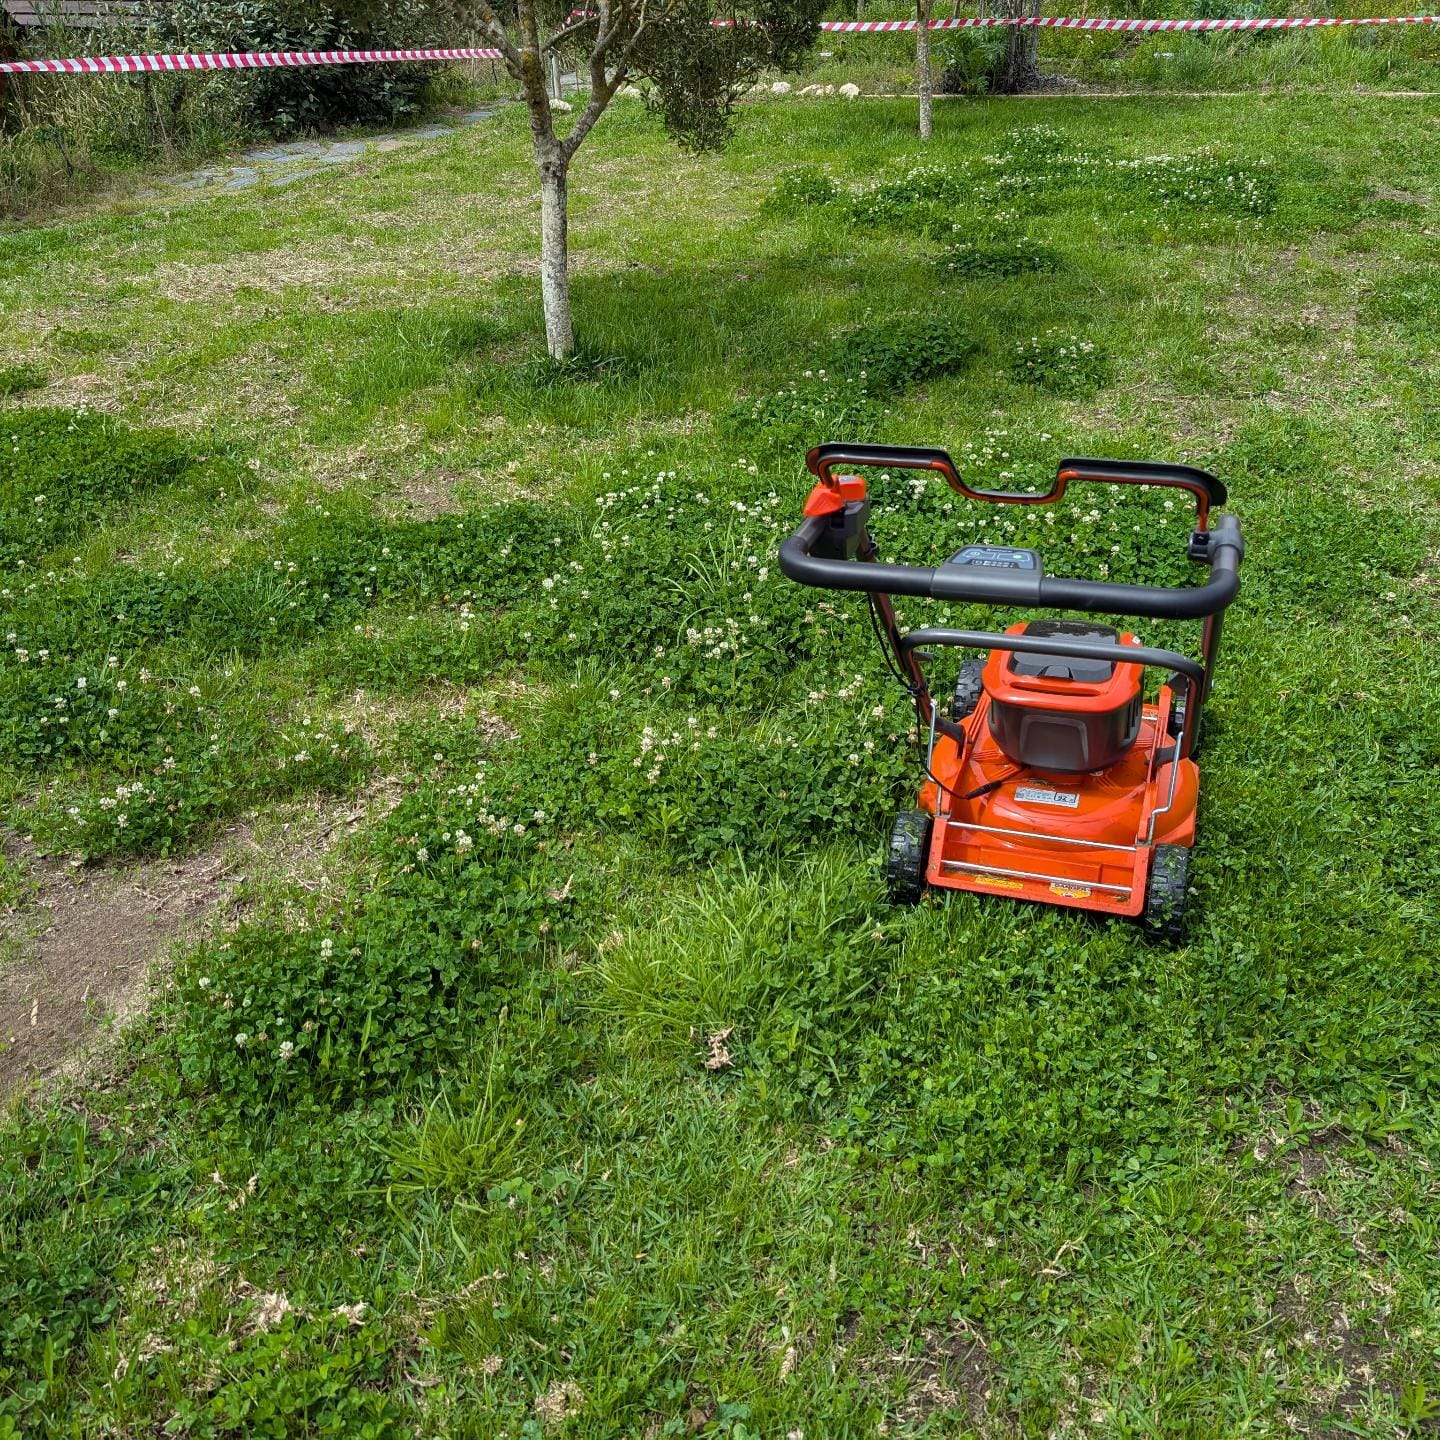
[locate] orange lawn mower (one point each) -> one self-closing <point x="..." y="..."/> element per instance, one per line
<point x="1050" y="778"/>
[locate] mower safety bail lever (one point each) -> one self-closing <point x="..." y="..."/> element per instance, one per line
<point x="824" y="461"/>
<point x="1063" y="646"/>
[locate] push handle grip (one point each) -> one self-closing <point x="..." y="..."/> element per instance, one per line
<point x="1020" y="587"/>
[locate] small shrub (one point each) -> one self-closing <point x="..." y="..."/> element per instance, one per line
<point x="970" y="60"/>
<point x="61" y="471"/>
<point x="1060" y="363"/>
<point x="285" y="101"/>
<point x="1208" y="181"/>
<point x="913" y="198"/>
<point x="307" y="1376"/>
<point x="1233" y="10"/>
<point x="75" y="1206"/>
<point x="540" y="374"/>
<point x="19" y="379"/>
<point x="899" y="353"/>
<point x="805" y="412"/>
<point x="800" y="190"/>
<point x="1410" y="300"/>
<point x="986" y="259"/>
<point x="465" y="902"/>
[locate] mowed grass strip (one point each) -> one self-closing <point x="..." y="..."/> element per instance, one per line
<point x="597" y="1090"/>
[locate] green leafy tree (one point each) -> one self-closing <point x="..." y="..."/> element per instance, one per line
<point x="692" y="72"/>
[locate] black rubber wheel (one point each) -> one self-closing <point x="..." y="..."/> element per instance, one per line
<point x="1176" y="719"/>
<point x="969" y="687"/>
<point x="1164" y="917"/>
<point x="909" y="852"/>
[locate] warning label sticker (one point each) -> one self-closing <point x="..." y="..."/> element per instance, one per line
<point x="1036" y="795"/>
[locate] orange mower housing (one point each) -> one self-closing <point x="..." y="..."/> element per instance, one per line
<point x="1049" y="776"/>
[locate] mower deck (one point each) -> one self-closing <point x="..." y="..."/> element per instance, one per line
<point x="1073" y="840"/>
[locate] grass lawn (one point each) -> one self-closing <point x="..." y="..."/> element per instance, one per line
<point x="582" y="1082"/>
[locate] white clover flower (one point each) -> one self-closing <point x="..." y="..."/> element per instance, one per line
<point x="242" y="1040"/>
<point x="287" y="1049"/>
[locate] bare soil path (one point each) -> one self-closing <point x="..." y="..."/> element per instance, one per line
<point x="78" y="954"/>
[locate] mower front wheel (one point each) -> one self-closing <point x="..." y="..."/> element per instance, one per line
<point x="909" y="855"/>
<point x="1164" y="917"/>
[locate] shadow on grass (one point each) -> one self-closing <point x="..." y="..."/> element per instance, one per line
<point x="654" y="344"/>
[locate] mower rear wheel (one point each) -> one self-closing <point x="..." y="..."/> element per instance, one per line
<point x="969" y="687"/>
<point x="1164" y="917"/>
<point x="909" y="854"/>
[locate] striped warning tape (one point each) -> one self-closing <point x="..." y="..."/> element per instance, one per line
<point x="282" y="59"/>
<point x="1062" y="22"/>
<point x="243" y="60"/>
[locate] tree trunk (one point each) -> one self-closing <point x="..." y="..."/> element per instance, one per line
<point x="1019" y="68"/>
<point x="555" y="258"/>
<point x="925" y="79"/>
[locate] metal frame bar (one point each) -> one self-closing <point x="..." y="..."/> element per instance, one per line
<point x="1181" y="752"/>
<point x="1031" y="875"/>
<point x="1039" y="835"/>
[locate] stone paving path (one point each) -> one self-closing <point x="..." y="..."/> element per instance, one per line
<point x="284" y="164"/>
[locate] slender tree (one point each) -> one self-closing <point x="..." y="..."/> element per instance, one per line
<point x="692" y="70"/>
<point x="925" y="78"/>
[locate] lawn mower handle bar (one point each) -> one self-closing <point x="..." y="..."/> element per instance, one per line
<point x="1022" y="588"/>
<point x="1057" y="645"/>
<point x="823" y="460"/>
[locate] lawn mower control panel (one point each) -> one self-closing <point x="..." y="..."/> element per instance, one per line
<point x="998" y="557"/>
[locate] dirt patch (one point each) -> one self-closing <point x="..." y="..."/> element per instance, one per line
<point x="1400" y="197"/>
<point x="291" y="852"/>
<point x="80" y="952"/>
<point x="954" y="1371"/>
<point x="1353" y="1351"/>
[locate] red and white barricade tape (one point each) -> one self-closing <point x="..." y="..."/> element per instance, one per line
<point x="248" y="60"/>
<point x="281" y="59"/>
<point x="1062" y="22"/>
